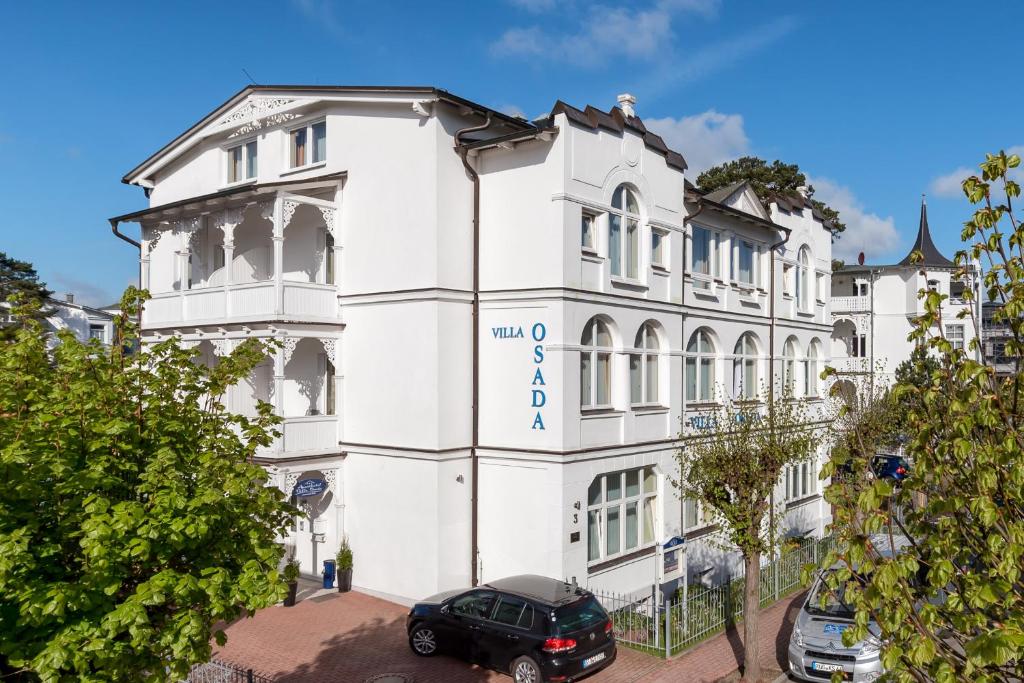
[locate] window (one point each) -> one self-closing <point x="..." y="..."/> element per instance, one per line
<point x="658" y="239"/>
<point x="626" y="243"/>
<point x="956" y="291"/>
<point x="745" y="268"/>
<point x="799" y="480"/>
<point x="513" y="612"/>
<point x="702" y="253"/>
<point x="744" y="368"/>
<point x="811" y="370"/>
<point x="803" y="281"/>
<point x="819" y="287"/>
<point x="242" y="162"/>
<point x="860" y="346"/>
<point x="787" y="279"/>
<point x="860" y="289"/>
<point x="308" y="145"/>
<point x="98" y="332"/>
<point x="477" y="604"/>
<point x="587" y="231"/>
<point x="329" y="397"/>
<point x="643" y="368"/>
<point x="329" y="255"/>
<point x="789" y="368"/>
<point x="620" y="512"/>
<point x="700" y="367"/>
<point x="695" y="514"/>
<point x="955" y="336"/>
<point x="596" y="365"/>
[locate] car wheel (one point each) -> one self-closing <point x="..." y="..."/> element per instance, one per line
<point x="423" y="641"/>
<point x="525" y="670"/>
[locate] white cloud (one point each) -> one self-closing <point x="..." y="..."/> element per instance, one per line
<point x="512" y="110"/>
<point x="535" y="5"/>
<point x="867" y="232"/>
<point x="321" y="12"/>
<point x="603" y="33"/>
<point x="948" y="185"/>
<point x="704" y="139"/>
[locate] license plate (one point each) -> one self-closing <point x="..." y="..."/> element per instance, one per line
<point x="821" y="666"/>
<point x="593" y="660"/>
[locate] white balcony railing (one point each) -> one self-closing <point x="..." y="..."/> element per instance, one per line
<point x="254" y="300"/>
<point x="306" y="435"/>
<point x="851" y="304"/>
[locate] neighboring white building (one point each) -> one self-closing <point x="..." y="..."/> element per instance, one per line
<point x="489" y="377"/>
<point x="85" y="322"/>
<point x="873" y="308"/>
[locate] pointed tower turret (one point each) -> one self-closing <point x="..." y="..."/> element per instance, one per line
<point x="924" y="244"/>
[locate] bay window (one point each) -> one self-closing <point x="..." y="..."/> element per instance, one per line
<point x="596" y="365"/>
<point x="621" y="513"/>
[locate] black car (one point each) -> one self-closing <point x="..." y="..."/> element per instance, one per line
<point x="531" y="627"/>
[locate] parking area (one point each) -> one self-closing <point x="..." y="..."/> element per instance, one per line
<point x="352" y="637"/>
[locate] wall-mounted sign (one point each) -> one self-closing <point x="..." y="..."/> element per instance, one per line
<point x="538" y="387"/>
<point x="309" y="487"/>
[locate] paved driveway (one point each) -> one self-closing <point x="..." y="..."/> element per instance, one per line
<point x="351" y="637"/>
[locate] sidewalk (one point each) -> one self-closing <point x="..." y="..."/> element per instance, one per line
<point x="350" y="637"/>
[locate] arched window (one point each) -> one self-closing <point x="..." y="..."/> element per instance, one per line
<point x="700" y="367"/>
<point x="811" y="369"/>
<point x="789" y="368"/>
<point x="803" y="281"/>
<point x="596" y="365"/>
<point x="624" y="233"/>
<point x="744" y="368"/>
<point x="643" y="367"/>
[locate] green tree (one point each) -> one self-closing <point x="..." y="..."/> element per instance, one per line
<point x="132" y="518"/>
<point x="734" y="471"/>
<point x="766" y="180"/>
<point x="950" y="607"/>
<point x="19" y="280"/>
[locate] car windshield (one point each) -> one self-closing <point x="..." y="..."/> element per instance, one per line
<point x="827" y="602"/>
<point x="580" y="615"/>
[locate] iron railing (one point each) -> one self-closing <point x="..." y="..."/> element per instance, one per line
<point x="220" y="672"/>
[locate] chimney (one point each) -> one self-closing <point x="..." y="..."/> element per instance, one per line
<point x="69" y="297"/>
<point x="802" y="190"/>
<point x="628" y="104"/>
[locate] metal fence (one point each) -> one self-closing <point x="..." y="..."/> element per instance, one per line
<point x="698" y="613"/>
<point x="219" y="672"/>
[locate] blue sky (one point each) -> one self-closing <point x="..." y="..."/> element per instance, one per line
<point x="877" y="101"/>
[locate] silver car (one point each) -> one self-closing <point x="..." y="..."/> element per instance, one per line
<point x="816" y="649"/>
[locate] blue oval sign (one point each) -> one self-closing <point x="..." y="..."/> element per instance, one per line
<point x="309" y="487"/>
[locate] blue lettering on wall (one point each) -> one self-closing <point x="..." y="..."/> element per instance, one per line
<point x="507" y="332"/>
<point x="539" y="398"/>
<point x="537" y="378"/>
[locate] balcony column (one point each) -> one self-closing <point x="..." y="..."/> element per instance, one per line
<point x="227" y="220"/>
<point x="281" y="358"/>
<point x="278" y="238"/>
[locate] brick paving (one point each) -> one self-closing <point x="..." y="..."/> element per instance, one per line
<point x="351" y="637"/>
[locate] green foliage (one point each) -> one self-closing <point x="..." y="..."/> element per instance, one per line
<point x="734" y="471"/>
<point x="766" y="180"/>
<point x="132" y="518"/>
<point x="291" y="570"/>
<point x="951" y="606"/>
<point x="344" y="556"/>
<point x="837" y="265"/>
<point x="20" y="282"/>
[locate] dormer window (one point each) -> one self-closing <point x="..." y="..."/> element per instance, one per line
<point x="242" y="162"/>
<point x="307" y="145"/>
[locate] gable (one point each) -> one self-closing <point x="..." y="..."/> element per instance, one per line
<point x="744" y="199"/>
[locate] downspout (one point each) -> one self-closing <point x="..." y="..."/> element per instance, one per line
<point x="463" y="153"/>
<point x="138" y="245"/>
<point x="700" y="209"/>
<point x="771" y="367"/>
<point x="871" y="319"/>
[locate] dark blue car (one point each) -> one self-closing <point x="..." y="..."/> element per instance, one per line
<point x="892" y="467"/>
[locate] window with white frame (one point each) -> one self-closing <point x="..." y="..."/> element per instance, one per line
<point x="955" y="336"/>
<point x="242" y="160"/>
<point x="787" y="279"/>
<point x="799" y="480"/>
<point x="588" y="226"/>
<point x="811" y="368"/>
<point x="700" y="367"/>
<point x="744" y="368"/>
<point x="596" y="365"/>
<point x="307" y="145"/>
<point x="789" y="368"/>
<point x="803" y="280"/>
<point x="695" y="514"/>
<point x="859" y="346"/>
<point x="624" y="234"/>
<point x="98" y="332"/>
<point x="643" y="367"/>
<point x="621" y="513"/>
<point x="703" y="256"/>
<point x="746" y="263"/>
<point x="659" y="240"/>
<point x="956" y="291"/>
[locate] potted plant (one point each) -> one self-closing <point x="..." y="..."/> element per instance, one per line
<point x="344" y="558"/>
<point x="291" y="577"/>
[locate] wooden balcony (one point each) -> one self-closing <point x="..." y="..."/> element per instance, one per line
<point x="297" y="301"/>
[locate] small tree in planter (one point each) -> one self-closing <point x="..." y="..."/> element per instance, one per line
<point x="344" y="559"/>
<point x="291" y="577"/>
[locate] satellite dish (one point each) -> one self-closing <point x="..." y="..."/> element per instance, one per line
<point x="860" y="258"/>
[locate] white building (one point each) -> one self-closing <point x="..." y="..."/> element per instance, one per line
<point x="85" y="322"/>
<point x="873" y="308"/>
<point x="418" y="254"/>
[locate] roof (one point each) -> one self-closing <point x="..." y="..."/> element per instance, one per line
<point x="616" y="121"/>
<point x="924" y="244"/>
<point x="425" y="91"/>
<point x="715" y="201"/>
<point x="800" y="202"/>
<point x="723" y="193"/>
<point x="542" y="588"/>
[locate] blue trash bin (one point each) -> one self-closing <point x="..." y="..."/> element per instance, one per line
<point x="329" y="573"/>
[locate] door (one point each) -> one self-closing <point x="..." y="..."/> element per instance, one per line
<point x="506" y="635"/>
<point x="460" y="624"/>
